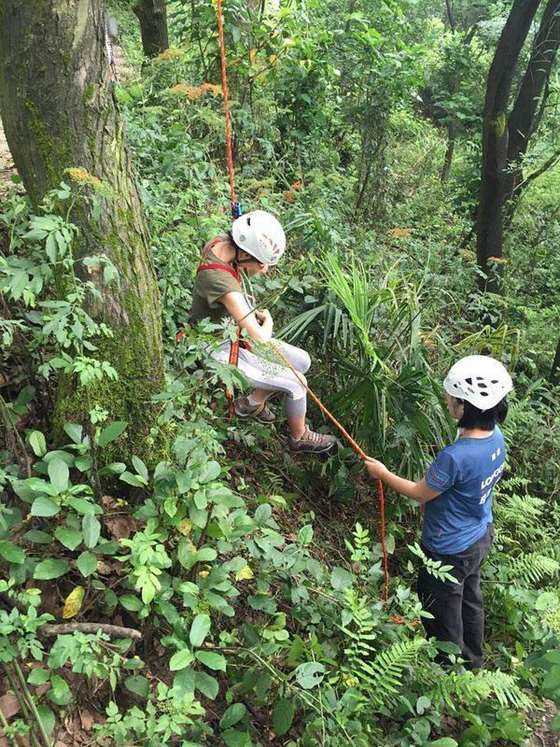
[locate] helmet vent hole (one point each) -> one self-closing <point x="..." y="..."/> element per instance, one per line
<point x="469" y="381"/>
<point x="494" y="381"/>
<point x="481" y="385"/>
<point x="248" y="221"/>
<point x="483" y="394"/>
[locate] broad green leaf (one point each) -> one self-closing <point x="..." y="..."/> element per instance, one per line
<point x="138" y="685"/>
<point x="305" y="535"/>
<point x="84" y="507"/>
<point x="115" y="468"/>
<point x="74" y="431"/>
<point x="73" y="602"/>
<point x="547" y="600"/>
<point x="70" y="538"/>
<point x="283" y="716"/>
<point x="233" y="715"/>
<point x="50" y="568"/>
<point x="131" y="603"/>
<point x="207" y="685"/>
<point x="38" y="676"/>
<point x="38" y="537"/>
<point x="43" y="506"/>
<point x="10" y="552"/>
<point x="234" y="738"/>
<point x="422" y="704"/>
<point x="263" y="513"/>
<point x="199" y="630"/>
<point x="38" y="443"/>
<point x="83" y="463"/>
<point x="140" y="467"/>
<point x="91" y="529"/>
<point x="180" y="660"/>
<point x="59" y="474"/>
<point x="183" y="683"/>
<point x="210" y="471"/>
<point x="212" y="660"/>
<point x="135" y="480"/>
<point x="206" y="554"/>
<point x="111" y="432"/>
<point x="87" y="563"/>
<point x="47" y="718"/>
<point x="443" y="742"/>
<point x="60" y="693"/>
<point x="341" y="578"/>
<point x="310" y="674"/>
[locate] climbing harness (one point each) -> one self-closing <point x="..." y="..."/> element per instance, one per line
<point x="238" y="342"/>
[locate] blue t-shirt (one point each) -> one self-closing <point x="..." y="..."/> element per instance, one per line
<point x="465" y="474"/>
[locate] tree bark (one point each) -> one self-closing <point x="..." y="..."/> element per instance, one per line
<point x="555" y="368"/>
<point x="495" y="137"/>
<point x="152" y="15"/>
<point x="527" y="110"/>
<point x="449" y="151"/>
<point x="59" y="111"/>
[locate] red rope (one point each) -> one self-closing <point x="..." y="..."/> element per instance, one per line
<point x="225" y="94"/>
<point x="234" y="350"/>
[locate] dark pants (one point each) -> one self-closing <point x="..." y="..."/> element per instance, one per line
<point x="458" y="609"/>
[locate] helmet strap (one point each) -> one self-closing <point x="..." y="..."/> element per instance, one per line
<point x="237" y="261"/>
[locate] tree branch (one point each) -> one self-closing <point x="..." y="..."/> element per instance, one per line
<point x="115" y="631"/>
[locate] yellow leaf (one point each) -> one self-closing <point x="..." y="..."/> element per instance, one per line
<point x="73" y="602"/>
<point x="400" y="233"/>
<point x="244" y="573"/>
<point x="252" y="56"/>
<point x="185" y="527"/>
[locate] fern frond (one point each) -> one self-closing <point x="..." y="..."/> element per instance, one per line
<point x="522" y="515"/>
<point x="384" y="676"/>
<point x="472" y="687"/>
<point x="532" y="568"/>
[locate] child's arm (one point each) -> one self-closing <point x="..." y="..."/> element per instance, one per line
<point x="418" y="491"/>
<point x="258" y="324"/>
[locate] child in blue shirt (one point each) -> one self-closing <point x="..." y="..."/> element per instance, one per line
<point x="456" y="493"/>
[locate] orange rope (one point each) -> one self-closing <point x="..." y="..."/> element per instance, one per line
<point x="234" y="351"/>
<point x="234" y="347"/>
<point x="360" y="452"/>
<point x="225" y="94"/>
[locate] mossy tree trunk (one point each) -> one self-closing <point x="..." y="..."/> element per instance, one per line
<point x="152" y="15"/>
<point x="59" y="111"/>
<point x="489" y="227"/>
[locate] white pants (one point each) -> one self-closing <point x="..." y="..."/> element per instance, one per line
<point x="273" y="376"/>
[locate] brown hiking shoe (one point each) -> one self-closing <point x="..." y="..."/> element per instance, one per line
<point x="244" y="409"/>
<point x="315" y="443"/>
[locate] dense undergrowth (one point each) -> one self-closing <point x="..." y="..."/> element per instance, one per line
<point x="249" y="583"/>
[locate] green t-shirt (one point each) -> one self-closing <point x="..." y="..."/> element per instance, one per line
<point x="209" y="287"/>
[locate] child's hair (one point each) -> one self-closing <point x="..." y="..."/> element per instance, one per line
<point x="485" y="419"/>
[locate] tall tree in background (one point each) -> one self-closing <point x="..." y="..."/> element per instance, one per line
<point x="59" y="111"/>
<point x="530" y="103"/>
<point x="506" y="137"/>
<point x="152" y="15"/>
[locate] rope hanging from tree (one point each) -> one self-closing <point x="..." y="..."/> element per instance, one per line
<point x="234" y="351"/>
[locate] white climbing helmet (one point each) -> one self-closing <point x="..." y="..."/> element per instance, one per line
<point x="260" y="234"/>
<point x="479" y="379"/>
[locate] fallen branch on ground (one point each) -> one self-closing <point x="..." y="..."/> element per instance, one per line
<point x="115" y="631"/>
